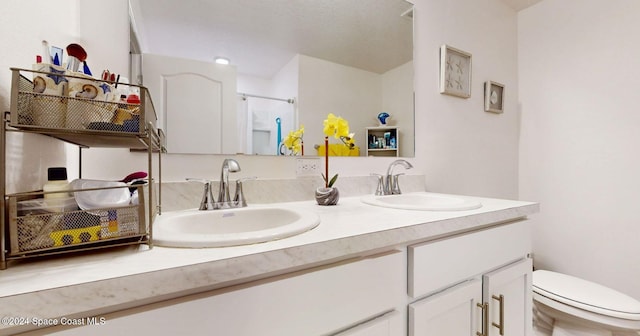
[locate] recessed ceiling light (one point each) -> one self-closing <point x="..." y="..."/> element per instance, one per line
<point x="222" y="60"/>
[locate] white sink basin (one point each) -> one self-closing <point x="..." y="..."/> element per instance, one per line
<point x="219" y="228"/>
<point x="422" y="201"/>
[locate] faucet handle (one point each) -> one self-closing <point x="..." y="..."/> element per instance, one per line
<point x="395" y="186"/>
<point x="207" y="202"/>
<point x="380" y="187"/>
<point x="239" y="199"/>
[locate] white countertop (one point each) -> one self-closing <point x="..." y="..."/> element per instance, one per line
<point x="114" y="279"/>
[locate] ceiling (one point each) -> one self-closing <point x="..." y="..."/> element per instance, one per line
<point x="260" y="37"/>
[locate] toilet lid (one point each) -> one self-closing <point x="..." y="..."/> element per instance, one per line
<point x="585" y="295"/>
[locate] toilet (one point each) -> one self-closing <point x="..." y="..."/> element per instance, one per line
<point x="569" y="306"/>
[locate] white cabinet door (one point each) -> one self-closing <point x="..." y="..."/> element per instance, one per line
<point x="453" y="312"/>
<point x="508" y="292"/>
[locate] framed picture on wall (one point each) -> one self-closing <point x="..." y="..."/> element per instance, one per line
<point x="455" y="72"/>
<point x="493" y="97"/>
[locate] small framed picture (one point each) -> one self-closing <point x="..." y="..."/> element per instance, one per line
<point x="493" y="97"/>
<point x="455" y="72"/>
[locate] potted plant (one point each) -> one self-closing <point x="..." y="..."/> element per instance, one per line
<point x="339" y="129"/>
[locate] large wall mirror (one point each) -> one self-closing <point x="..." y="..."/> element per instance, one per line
<point x="292" y="62"/>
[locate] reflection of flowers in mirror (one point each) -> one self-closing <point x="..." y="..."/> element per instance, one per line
<point x="293" y="141"/>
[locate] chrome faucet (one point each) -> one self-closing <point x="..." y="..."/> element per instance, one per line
<point x="224" y="196"/>
<point x="228" y="166"/>
<point x="388" y="185"/>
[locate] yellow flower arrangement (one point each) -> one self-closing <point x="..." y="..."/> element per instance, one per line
<point x="293" y="141"/>
<point x="338" y="128"/>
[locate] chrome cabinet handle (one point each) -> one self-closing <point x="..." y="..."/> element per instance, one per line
<point x="500" y="326"/>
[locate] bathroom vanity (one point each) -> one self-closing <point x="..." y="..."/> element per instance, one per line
<point x="365" y="270"/>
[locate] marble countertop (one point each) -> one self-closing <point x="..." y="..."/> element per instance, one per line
<point x="119" y="278"/>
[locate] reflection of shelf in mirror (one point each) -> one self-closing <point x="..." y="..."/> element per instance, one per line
<point x="380" y="138"/>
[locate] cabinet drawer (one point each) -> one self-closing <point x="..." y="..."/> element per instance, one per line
<point x="442" y="263"/>
<point x="389" y="324"/>
<point x="319" y="301"/>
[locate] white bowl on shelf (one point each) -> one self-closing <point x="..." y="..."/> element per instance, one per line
<point x="101" y="198"/>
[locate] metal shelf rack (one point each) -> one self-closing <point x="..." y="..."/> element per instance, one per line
<point x="86" y="122"/>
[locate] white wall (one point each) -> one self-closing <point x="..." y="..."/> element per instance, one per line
<point x="461" y="148"/>
<point x="104" y="32"/>
<point x="101" y="29"/>
<point x="359" y="105"/>
<point x="285" y="82"/>
<point x="22" y="42"/>
<point x="579" y="82"/>
<point x="283" y="85"/>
